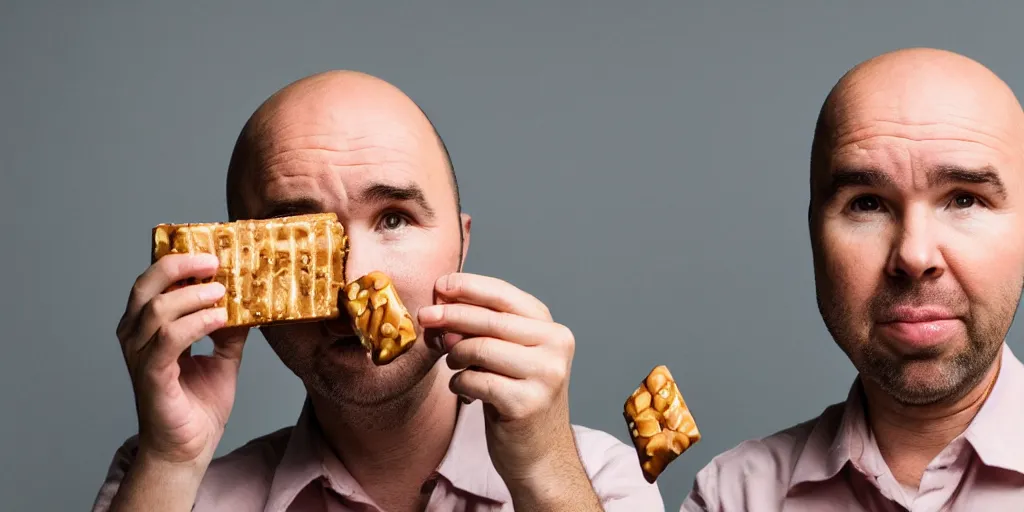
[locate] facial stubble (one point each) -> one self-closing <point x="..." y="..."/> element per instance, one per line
<point x="948" y="377"/>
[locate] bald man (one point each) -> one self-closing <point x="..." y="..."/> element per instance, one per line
<point x="916" y="220"/>
<point x="475" y="418"/>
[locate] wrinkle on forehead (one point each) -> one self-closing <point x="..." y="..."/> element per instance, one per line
<point x="920" y="95"/>
<point x="335" y="177"/>
<point x="304" y="150"/>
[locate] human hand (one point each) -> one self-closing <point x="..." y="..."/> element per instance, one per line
<point x="182" y="401"/>
<point x="512" y="356"/>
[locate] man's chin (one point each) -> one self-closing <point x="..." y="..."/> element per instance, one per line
<point x="924" y="381"/>
<point x="347" y="375"/>
<point x="919" y="382"/>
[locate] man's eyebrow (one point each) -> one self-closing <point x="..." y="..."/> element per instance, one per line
<point x="383" y="193"/>
<point x="845" y="178"/>
<point x="947" y="174"/>
<point x="295" y="206"/>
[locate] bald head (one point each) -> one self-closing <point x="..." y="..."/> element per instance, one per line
<point x="337" y="102"/>
<point x="915" y="87"/>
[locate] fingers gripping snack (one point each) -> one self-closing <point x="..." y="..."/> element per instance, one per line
<point x="659" y="422"/>
<point x="383" y="324"/>
<point x="291" y="269"/>
<point x="287" y="269"/>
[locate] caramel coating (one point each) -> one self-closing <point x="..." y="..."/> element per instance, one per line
<point x="281" y="270"/>
<point x="380" y="320"/>
<point x="659" y="422"/>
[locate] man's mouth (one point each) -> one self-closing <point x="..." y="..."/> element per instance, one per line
<point x="340" y="332"/>
<point x="337" y="327"/>
<point x="350" y="341"/>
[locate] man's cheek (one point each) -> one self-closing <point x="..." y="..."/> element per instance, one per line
<point x="991" y="282"/>
<point x="851" y="284"/>
<point x="842" y="268"/>
<point x="415" y="291"/>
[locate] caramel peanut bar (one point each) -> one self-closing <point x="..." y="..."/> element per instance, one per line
<point x="280" y="270"/>
<point x="659" y="422"/>
<point x="380" y="320"/>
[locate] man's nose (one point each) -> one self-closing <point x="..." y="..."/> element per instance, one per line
<point x="361" y="259"/>
<point x="915" y="253"/>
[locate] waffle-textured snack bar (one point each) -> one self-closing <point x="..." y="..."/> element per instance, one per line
<point x="279" y="270"/>
<point x="660" y="424"/>
<point x="384" y="326"/>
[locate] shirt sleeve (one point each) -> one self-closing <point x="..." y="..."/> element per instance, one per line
<point x="123" y="458"/>
<point x="615" y="474"/>
<point x="702" y="496"/>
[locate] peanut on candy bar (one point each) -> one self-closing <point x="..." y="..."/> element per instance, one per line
<point x="287" y="269"/>
<point x="659" y="422"/>
<point x="380" y="320"/>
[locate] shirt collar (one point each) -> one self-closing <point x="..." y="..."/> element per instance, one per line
<point x="300" y="463"/>
<point x="995" y="432"/>
<point x="466" y="465"/>
<point x="838" y="439"/>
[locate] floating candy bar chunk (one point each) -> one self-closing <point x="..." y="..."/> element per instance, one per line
<point x="660" y="425"/>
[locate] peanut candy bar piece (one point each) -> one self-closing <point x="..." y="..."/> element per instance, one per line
<point x="660" y="425"/>
<point x="380" y="320"/>
<point x="280" y="270"/>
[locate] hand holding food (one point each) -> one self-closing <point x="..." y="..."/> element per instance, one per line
<point x="287" y="269"/>
<point x="291" y="269"/>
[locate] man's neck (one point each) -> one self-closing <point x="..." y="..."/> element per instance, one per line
<point x="390" y="450"/>
<point x="910" y="437"/>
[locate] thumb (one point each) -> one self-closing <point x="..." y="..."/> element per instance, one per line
<point x="228" y="343"/>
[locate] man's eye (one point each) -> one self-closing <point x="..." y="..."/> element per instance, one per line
<point x="392" y="221"/>
<point x="866" y="204"/>
<point x="964" y="201"/>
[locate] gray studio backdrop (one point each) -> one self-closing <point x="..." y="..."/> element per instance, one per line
<point x="639" y="166"/>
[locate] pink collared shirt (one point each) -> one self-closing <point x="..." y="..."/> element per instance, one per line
<point x="832" y="463"/>
<point x="293" y="470"/>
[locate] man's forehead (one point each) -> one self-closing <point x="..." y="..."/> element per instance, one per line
<point x="324" y="177"/>
<point x="343" y="137"/>
<point x="880" y="155"/>
<point x="905" y="142"/>
<point x="916" y="151"/>
<point x="318" y="179"/>
<point x="364" y="145"/>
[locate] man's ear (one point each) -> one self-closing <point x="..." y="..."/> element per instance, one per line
<point x="467" y="223"/>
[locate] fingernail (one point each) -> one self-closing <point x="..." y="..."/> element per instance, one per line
<point x="211" y="291"/>
<point x="430" y="314"/>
